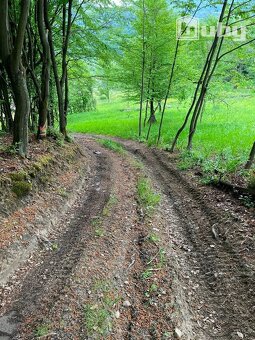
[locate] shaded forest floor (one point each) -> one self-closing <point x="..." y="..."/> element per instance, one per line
<point x="119" y="263"/>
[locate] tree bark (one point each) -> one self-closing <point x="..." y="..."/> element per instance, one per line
<point x="45" y="76"/>
<point x="61" y="81"/>
<point x="6" y="101"/>
<point x="54" y="64"/>
<point x="12" y="61"/>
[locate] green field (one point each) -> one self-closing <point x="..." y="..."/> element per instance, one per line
<point x="227" y="127"/>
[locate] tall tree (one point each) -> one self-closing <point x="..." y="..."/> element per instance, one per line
<point x="11" y="57"/>
<point x="45" y="76"/>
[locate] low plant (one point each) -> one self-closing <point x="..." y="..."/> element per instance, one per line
<point x="41" y="331"/>
<point x="247" y="201"/>
<point x="112" y="145"/>
<point x="111" y="202"/>
<point x="19" y="176"/>
<point x="98" y="316"/>
<point x="152" y="289"/>
<point x="147" y="274"/>
<point x="21" y="188"/>
<point x="147" y="198"/>
<point x="153" y="238"/>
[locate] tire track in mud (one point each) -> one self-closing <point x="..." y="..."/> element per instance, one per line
<point x="43" y="285"/>
<point x="227" y="279"/>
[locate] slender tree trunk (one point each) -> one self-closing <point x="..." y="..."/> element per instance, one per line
<point x="168" y="89"/>
<point x="152" y="118"/>
<point x="208" y="75"/>
<point x="54" y="65"/>
<point x="66" y="103"/>
<point x="45" y="77"/>
<point x="201" y="88"/>
<point x="251" y="158"/>
<point x="146" y="113"/>
<point x="143" y="74"/>
<point x="61" y="81"/>
<point x="64" y="78"/>
<point x="6" y="101"/>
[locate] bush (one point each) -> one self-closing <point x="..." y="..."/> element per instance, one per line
<point x="21" y="188"/>
<point x="19" y="176"/>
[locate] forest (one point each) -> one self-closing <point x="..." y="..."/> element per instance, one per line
<point x="127" y="169"/>
<point x="75" y="58"/>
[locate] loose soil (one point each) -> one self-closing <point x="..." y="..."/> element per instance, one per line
<point x="185" y="271"/>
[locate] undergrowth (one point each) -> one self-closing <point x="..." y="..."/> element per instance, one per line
<point x="214" y="168"/>
<point x="147" y="198"/>
<point x="111" y="145"/>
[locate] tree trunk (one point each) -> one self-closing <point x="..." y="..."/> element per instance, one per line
<point x="201" y="88"/>
<point x="45" y="77"/>
<point x="6" y="101"/>
<point x="152" y="118"/>
<point x="251" y="158"/>
<point x="55" y="68"/>
<point x="22" y="103"/>
<point x="12" y="61"/>
<point x="61" y="82"/>
<point x="143" y="73"/>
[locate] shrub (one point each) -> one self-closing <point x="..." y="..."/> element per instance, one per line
<point x="21" y="188"/>
<point x="19" y="176"/>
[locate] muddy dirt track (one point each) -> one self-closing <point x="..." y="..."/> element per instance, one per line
<point x="186" y="272"/>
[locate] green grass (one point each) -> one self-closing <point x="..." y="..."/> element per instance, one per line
<point x="225" y="126"/>
<point x="147" y="198"/>
<point x="41" y="331"/>
<point x="111" y="145"/>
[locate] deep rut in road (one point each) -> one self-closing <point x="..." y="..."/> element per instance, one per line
<point x="43" y="285"/>
<point x="220" y="252"/>
<point x="186" y="272"/>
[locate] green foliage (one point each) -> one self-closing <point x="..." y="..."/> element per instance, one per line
<point x="19" y="176"/>
<point x="41" y="331"/>
<point x="153" y="238"/>
<point x="112" y="145"/>
<point x="42" y="162"/>
<point x="107" y="209"/>
<point x="21" y="188"/>
<point x="215" y="167"/>
<point x="97" y="320"/>
<point x="98" y="316"/>
<point x="147" y="274"/>
<point x="152" y="290"/>
<point x="247" y="201"/>
<point x="10" y="149"/>
<point x="147" y="198"/>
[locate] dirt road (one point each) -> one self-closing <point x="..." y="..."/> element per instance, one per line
<point x="186" y="271"/>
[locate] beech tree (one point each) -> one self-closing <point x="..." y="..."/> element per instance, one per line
<point x="11" y="45"/>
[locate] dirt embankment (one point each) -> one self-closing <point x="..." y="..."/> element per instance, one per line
<point x="34" y="193"/>
<point x="113" y="270"/>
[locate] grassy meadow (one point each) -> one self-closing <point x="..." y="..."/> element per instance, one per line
<point x="225" y="127"/>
